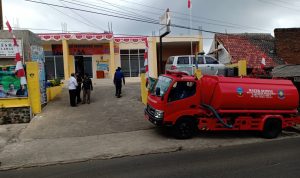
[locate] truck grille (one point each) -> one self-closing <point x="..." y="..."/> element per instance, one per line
<point x="150" y="110"/>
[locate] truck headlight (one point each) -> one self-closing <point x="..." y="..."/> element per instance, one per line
<point x="159" y="114"/>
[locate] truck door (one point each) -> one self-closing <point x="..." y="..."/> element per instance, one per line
<point x="181" y="97"/>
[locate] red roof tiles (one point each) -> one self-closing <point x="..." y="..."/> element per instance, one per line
<point x="252" y="47"/>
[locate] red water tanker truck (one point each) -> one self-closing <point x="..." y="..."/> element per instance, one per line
<point x="219" y="103"/>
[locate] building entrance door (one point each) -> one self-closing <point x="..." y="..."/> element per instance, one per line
<point x="83" y="65"/>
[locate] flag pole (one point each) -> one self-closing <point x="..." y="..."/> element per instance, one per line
<point x="190" y="8"/>
<point x="1" y="16"/>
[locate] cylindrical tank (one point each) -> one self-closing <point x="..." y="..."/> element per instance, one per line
<point x="228" y="93"/>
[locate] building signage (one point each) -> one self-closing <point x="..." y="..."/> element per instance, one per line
<point x="82" y="49"/>
<point x="7" y="48"/>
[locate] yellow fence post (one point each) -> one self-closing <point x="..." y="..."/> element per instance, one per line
<point x="112" y="64"/>
<point x="34" y="93"/>
<point x="144" y="91"/>
<point x="66" y="59"/>
<point x="242" y="66"/>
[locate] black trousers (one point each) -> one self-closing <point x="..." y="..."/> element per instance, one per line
<point x="72" y="94"/>
<point x="78" y="91"/>
<point x="118" y="88"/>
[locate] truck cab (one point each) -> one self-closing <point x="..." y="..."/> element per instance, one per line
<point x="174" y="95"/>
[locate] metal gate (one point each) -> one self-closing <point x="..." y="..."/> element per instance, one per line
<point x="132" y="62"/>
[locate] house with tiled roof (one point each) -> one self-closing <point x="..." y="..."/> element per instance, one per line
<point x="252" y="47"/>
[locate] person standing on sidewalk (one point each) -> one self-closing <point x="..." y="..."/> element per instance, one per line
<point x="119" y="76"/>
<point x="78" y="88"/>
<point x="87" y="87"/>
<point x="72" y="90"/>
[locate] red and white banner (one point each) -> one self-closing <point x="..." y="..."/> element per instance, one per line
<point x="146" y="59"/>
<point x="20" y="72"/>
<point x="189" y="4"/>
<point x="129" y="39"/>
<point x="75" y="36"/>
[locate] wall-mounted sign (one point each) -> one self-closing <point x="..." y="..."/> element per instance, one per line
<point x="10" y="85"/>
<point x="7" y="48"/>
<point x="83" y="49"/>
<point x="102" y="66"/>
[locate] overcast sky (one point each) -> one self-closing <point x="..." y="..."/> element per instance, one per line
<point x="231" y="16"/>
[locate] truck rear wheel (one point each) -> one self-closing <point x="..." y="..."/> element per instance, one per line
<point x="272" y="128"/>
<point x="185" y="128"/>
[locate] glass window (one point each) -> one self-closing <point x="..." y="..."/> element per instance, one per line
<point x="170" y="60"/>
<point x="124" y="51"/>
<point x="50" y="67"/>
<point x="134" y="51"/>
<point x="210" y="60"/>
<point x="59" y="64"/>
<point x="181" y="90"/>
<point x="163" y="84"/>
<point x="125" y="65"/>
<point x="200" y="60"/>
<point x="183" y="60"/>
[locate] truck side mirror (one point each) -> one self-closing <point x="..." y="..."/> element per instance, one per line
<point x="157" y="91"/>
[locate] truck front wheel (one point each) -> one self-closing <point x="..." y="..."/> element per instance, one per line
<point x="185" y="128"/>
<point x="272" y="128"/>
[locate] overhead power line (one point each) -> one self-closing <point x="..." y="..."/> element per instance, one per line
<point x="280" y="5"/>
<point x="224" y="23"/>
<point x="113" y="12"/>
<point x="71" y="16"/>
<point x="87" y="20"/>
<point x="125" y="9"/>
<point x="176" y="17"/>
<point x="122" y="17"/>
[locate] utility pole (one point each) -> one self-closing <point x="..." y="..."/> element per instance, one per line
<point x="1" y="16"/>
<point x="165" y="20"/>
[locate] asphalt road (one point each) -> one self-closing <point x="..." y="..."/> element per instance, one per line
<point x="276" y="158"/>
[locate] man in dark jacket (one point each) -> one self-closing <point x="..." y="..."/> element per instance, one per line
<point x="78" y="88"/>
<point x="87" y="87"/>
<point x="119" y="76"/>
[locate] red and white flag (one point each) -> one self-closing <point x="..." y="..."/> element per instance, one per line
<point x="8" y="26"/>
<point x="20" y="72"/>
<point x="189" y="4"/>
<point x="263" y="62"/>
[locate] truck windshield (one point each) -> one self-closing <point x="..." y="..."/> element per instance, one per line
<point x="163" y="84"/>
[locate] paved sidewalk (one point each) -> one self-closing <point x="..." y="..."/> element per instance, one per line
<point x="106" y="114"/>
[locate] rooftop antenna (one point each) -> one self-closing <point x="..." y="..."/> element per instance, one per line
<point x="111" y="27"/>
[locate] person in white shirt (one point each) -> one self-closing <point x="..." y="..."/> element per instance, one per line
<point x="72" y="89"/>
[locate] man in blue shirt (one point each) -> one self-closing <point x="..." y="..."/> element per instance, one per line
<point x="119" y="76"/>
